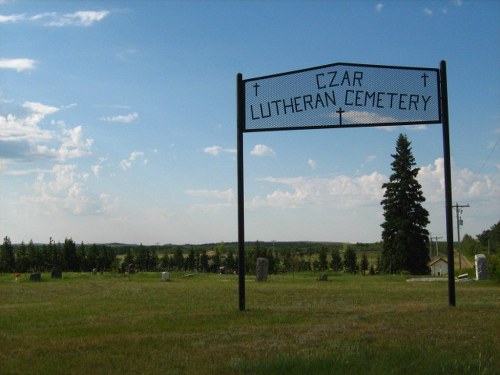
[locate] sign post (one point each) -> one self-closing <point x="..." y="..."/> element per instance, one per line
<point x="341" y="95"/>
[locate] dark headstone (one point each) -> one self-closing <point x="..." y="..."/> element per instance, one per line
<point x="262" y="269"/>
<point x="323" y="277"/>
<point x="56" y="274"/>
<point x="36" y="277"/>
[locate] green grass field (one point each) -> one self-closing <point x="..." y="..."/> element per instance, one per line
<point x="116" y="324"/>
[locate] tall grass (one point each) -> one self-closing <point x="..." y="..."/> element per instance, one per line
<point x="115" y="324"/>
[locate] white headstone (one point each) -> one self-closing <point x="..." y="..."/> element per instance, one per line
<point x="165" y="276"/>
<point x="481" y="267"/>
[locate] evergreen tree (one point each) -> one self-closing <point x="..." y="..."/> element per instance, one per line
<point x="128" y="260"/>
<point x="405" y="237"/>
<point x="70" y="260"/>
<point x="81" y="257"/>
<point x="216" y="260"/>
<point x="153" y="260"/>
<point x="364" y="263"/>
<point x="490" y="239"/>
<point x="191" y="260"/>
<point x="336" y="263"/>
<point x="230" y="261"/>
<point x="178" y="260"/>
<point x="322" y="261"/>
<point x="35" y="257"/>
<point x="204" y="266"/>
<point x="165" y="262"/>
<point x="7" y="258"/>
<point x="351" y="260"/>
<point x="92" y="257"/>
<point x="22" y="259"/>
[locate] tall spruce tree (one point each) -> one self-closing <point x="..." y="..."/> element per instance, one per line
<point x="7" y="257"/>
<point x="405" y="237"/>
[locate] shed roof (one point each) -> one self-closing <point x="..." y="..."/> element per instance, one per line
<point x="436" y="260"/>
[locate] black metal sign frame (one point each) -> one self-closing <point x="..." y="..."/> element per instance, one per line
<point x="371" y="95"/>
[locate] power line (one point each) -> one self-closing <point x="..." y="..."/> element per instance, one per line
<point x="489" y="156"/>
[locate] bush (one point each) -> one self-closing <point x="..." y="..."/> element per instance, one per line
<point x="494" y="267"/>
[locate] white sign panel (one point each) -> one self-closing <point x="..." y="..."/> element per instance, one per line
<point x="342" y="95"/>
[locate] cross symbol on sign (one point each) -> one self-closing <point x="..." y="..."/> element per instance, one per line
<point x="340" y="111"/>
<point x="425" y="76"/>
<point x="256" y="87"/>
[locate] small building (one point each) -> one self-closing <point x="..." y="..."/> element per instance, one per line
<point x="439" y="267"/>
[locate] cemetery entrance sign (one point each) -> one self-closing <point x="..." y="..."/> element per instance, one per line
<point x="343" y="95"/>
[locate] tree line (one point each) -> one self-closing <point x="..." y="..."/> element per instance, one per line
<point x="67" y="257"/>
<point x="283" y="257"/>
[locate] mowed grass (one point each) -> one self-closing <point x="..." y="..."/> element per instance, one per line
<point x="116" y="324"/>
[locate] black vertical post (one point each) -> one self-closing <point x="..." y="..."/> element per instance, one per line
<point x="241" y="199"/>
<point x="447" y="184"/>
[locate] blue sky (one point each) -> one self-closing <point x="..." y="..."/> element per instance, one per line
<point x="118" y="118"/>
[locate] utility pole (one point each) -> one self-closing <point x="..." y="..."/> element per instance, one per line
<point x="437" y="249"/>
<point x="460" y="222"/>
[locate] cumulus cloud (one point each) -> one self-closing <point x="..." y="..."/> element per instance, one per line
<point x="379" y="7"/>
<point x="121" y="118"/>
<point x="18" y="65"/>
<point x="262" y="150"/>
<point x="80" y="18"/>
<point x="134" y="156"/>
<point x="340" y="191"/>
<point x="63" y="190"/>
<point x="216" y="150"/>
<point x="25" y="138"/>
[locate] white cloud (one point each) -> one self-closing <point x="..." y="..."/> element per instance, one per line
<point x="367" y="117"/>
<point x="216" y="150"/>
<point x="125" y="164"/>
<point x="25" y="139"/>
<point x="428" y="11"/>
<point x="63" y="190"/>
<point x="226" y="195"/>
<point x="262" y="150"/>
<point x="312" y="163"/>
<point x="134" y="155"/>
<point x="213" y="150"/>
<point x="379" y="7"/>
<point x="12" y="18"/>
<point x="371" y="158"/>
<point x="122" y="118"/>
<point x="341" y="192"/>
<point x="466" y="184"/>
<point x="223" y="199"/>
<point x="80" y="18"/>
<point x="458" y="3"/>
<point x="27" y="128"/>
<point x="17" y="64"/>
<point x="96" y="169"/>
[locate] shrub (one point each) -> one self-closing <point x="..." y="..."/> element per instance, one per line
<point x="494" y="267"/>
